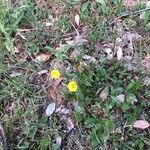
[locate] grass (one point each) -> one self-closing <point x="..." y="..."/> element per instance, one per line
<point x="23" y="98"/>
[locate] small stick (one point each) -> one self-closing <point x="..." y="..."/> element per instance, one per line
<point x="77" y="32"/>
<point x="129" y="14"/>
<point x="3" y="135"/>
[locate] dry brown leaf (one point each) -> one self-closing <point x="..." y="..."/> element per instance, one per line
<point x="129" y="3"/>
<point x="121" y="98"/>
<point x="42" y="57"/>
<point x="57" y="82"/>
<point x="42" y="72"/>
<point x="79" y="40"/>
<point x="15" y="74"/>
<point x="90" y="59"/>
<point x="70" y="124"/>
<point x="103" y="95"/>
<point x="119" y="53"/>
<point x="62" y="110"/>
<point x="77" y="19"/>
<point x="148" y="3"/>
<point x="58" y="140"/>
<point x="141" y="124"/>
<point x="52" y="94"/>
<point x="132" y="3"/>
<point x="82" y="66"/>
<point x="109" y="53"/>
<point x="147" y="81"/>
<point x="146" y="62"/>
<point x="16" y="50"/>
<point x="48" y="24"/>
<point x="128" y="36"/>
<point x="50" y="109"/>
<point x="74" y="55"/>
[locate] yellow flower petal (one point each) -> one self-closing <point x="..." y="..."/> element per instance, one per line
<point x="55" y="74"/>
<point x="72" y="86"/>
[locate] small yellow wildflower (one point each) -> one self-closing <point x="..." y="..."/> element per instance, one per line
<point x="55" y="74"/>
<point x="72" y="86"/>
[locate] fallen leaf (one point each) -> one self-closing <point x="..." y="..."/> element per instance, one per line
<point x="74" y="55"/>
<point x="142" y="15"/>
<point x="121" y="98"/>
<point x="15" y="74"/>
<point x="118" y="41"/>
<point x="141" y="124"/>
<point x="147" y="4"/>
<point x="79" y="40"/>
<point x="77" y="19"/>
<point x="62" y="110"/>
<point x="119" y="53"/>
<point x="82" y="66"/>
<point x="127" y="58"/>
<point x="48" y="24"/>
<point x="50" y="109"/>
<point x="129" y="3"/>
<point x="147" y="81"/>
<point x="146" y="62"/>
<point x="118" y="130"/>
<point x="52" y="93"/>
<point x="57" y="82"/>
<point x="109" y="53"/>
<point x="103" y="95"/>
<point x="70" y="124"/>
<point x="132" y="3"/>
<point x="42" y="57"/>
<point x="16" y="50"/>
<point x="70" y="42"/>
<point x="128" y="36"/>
<point x="128" y="63"/>
<point x="42" y="72"/>
<point x="90" y="59"/>
<point x="58" y="140"/>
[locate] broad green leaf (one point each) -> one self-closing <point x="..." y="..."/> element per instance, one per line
<point x="104" y="135"/>
<point x="109" y="125"/>
<point x="79" y="116"/>
<point x="44" y="143"/>
<point x="90" y="122"/>
<point x="125" y="106"/>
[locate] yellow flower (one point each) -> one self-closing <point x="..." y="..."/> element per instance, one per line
<point x="55" y="74"/>
<point x="72" y="86"/>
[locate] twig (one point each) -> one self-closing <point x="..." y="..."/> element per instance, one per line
<point x="3" y="135"/>
<point x="77" y="32"/>
<point x="129" y="14"/>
